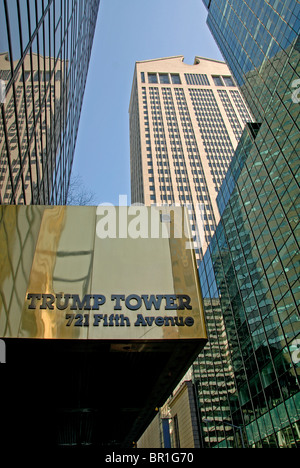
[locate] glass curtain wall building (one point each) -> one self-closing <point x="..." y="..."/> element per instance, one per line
<point x="255" y="251"/>
<point x="45" y="47"/>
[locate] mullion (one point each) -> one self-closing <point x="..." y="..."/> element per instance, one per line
<point x="56" y="121"/>
<point x="27" y="153"/>
<point x="47" y="88"/>
<point x="33" y="134"/>
<point x="39" y="117"/>
<point x="8" y="155"/>
<point x="15" y="100"/>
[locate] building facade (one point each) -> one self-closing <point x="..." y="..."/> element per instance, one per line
<point x="45" y="49"/>
<point x="254" y="252"/>
<point x="75" y="306"/>
<point x="176" y="424"/>
<point x="185" y="123"/>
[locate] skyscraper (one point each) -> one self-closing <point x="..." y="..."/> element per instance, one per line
<point x="45" y="48"/>
<point x="254" y="251"/>
<point x="185" y="123"/>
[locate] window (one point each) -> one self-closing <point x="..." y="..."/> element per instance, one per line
<point x="228" y="81"/>
<point x="58" y="75"/>
<point x="47" y="76"/>
<point x="176" y="79"/>
<point x="143" y="77"/>
<point x="152" y="78"/>
<point x="218" y="80"/>
<point x="196" y="79"/>
<point x="26" y="75"/>
<point x="164" y="78"/>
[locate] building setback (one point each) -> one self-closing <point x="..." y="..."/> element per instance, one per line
<point x="44" y="59"/>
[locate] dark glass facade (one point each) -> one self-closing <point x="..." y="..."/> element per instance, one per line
<point x="254" y="256"/>
<point x="256" y="38"/>
<point x="45" y="48"/>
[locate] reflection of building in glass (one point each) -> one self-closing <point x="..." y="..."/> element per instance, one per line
<point x="44" y="56"/>
<point x="251" y="36"/>
<point x="36" y="103"/>
<point x="255" y="248"/>
<point x="212" y="374"/>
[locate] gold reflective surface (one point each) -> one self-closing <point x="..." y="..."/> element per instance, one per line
<point x="88" y="253"/>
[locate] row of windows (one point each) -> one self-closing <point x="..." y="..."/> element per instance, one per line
<point x="160" y="141"/>
<point x="195" y="160"/>
<point x="212" y="127"/>
<point x="46" y="47"/>
<point x="162" y="78"/>
<point x="196" y="79"/>
<point x="137" y="192"/>
<point x="223" y="81"/>
<point x="192" y="79"/>
<point x="165" y="192"/>
<point x="232" y="117"/>
<point x="243" y="112"/>
<point x="179" y="163"/>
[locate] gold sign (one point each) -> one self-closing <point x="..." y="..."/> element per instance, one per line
<point x="107" y="273"/>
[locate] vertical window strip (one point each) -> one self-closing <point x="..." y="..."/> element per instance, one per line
<point x="232" y="117"/>
<point x="196" y="79"/>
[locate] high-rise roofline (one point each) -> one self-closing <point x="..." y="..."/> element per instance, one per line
<point x="197" y="60"/>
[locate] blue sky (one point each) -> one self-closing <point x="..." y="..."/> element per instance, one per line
<point x="129" y="31"/>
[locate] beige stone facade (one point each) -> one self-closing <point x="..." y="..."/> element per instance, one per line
<point x="185" y="124"/>
<point x="29" y="108"/>
<point x="152" y="437"/>
<point x="181" y="412"/>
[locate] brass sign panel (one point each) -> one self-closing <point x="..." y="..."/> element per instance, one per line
<point x="101" y="273"/>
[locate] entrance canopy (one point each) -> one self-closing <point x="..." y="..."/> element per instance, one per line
<point x="101" y="312"/>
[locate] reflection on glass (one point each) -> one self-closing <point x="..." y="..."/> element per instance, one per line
<point x="43" y="46"/>
<point x="31" y="108"/>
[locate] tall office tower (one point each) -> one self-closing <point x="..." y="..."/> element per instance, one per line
<point x="45" y="47"/>
<point x="185" y="123"/>
<point x="255" y="250"/>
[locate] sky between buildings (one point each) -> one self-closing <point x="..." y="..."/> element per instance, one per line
<point x="129" y="31"/>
